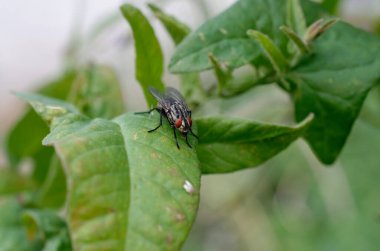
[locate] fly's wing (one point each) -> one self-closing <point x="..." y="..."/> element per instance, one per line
<point x="175" y="95"/>
<point x="161" y="98"/>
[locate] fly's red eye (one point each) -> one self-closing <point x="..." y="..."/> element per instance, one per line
<point x="178" y="123"/>
<point x="190" y="121"/>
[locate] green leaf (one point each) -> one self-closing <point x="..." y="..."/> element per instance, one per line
<point x="96" y="92"/>
<point x="12" y="234"/>
<point x="228" y="144"/>
<point x="225" y="36"/>
<point x="177" y="30"/>
<point x="48" y="228"/>
<point x="137" y="187"/>
<point x="332" y="6"/>
<point x="190" y="87"/>
<point x="12" y="182"/>
<point x="333" y="83"/>
<point x="272" y="52"/>
<point x="295" y="17"/>
<point x="149" y="58"/>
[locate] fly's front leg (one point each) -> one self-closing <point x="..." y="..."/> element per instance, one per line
<point x="187" y="141"/>
<point x="160" y="121"/>
<point x="194" y="134"/>
<point x="175" y="136"/>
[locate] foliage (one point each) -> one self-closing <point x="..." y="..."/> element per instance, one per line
<point x="125" y="189"/>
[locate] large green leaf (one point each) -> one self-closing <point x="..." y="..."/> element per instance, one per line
<point x="137" y="187"/>
<point x="149" y="58"/>
<point x="333" y="83"/>
<point x="228" y="145"/>
<point x="225" y="36"/>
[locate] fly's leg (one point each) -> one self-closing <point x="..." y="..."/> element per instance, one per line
<point x="187" y="141"/>
<point x="194" y="134"/>
<point x="175" y="136"/>
<point x="151" y="110"/>
<point x="159" y="124"/>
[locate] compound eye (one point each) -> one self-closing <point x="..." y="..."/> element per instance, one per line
<point x="178" y="123"/>
<point x="190" y="121"/>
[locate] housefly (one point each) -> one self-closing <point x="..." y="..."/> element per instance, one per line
<point x="173" y="107"/>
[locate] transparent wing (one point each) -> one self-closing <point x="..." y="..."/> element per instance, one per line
<point x="160" y="97"/>
<point x="175" y="95"/>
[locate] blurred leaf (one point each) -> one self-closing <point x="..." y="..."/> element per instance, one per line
<point x="47" y="227"/>
<point x="20" y="141"/>
<point x="12" y="182"/>
<point x="228" y="145"/>
<point x="332" y="6"/>
<point x="295" y="17"/>
<point x="333" y="83"/>
<point x="225" y="36"/>
<point x="52" y="193"/>
<point x="12" y="234"/>
<point x="222" y="73"/>
<point x="177" y="30"/>
<point x="312" y="11"/>
<point x="106" y="159"/>
<point x="96" y="92"/>
<point x="149" y="58"/>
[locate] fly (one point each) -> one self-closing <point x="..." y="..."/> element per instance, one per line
<point x="173" y="107"/>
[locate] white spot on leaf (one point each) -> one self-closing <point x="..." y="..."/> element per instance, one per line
<point x="224" y="31"/>
<point x="188" y="187"/>
<point x="201" y="36"/>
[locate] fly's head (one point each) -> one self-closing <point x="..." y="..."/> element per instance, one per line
<point x="181" y="119"/>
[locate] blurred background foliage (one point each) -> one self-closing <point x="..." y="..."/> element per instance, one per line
<point x="292" y="202"/>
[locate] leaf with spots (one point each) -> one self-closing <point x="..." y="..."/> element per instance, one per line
<point x="230" y="144"/>
<point x="127" y="189"/>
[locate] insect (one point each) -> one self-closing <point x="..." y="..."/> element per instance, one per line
<point x="173" y="107"/>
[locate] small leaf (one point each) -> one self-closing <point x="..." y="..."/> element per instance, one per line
<point x="272" y="52"/>
<point x="228" y="145"/>
<point x="295" y="17"/>
<point x="125" y="181"/>
<point x="149" y="58"/>
<point x="333" y="83"/>
<point x="297" y="41"/>
<point x="48" y="228"/>
<point x="317" y="28"/>
<point x="177" y="30"/>
<point x="222" y="73"/>
<point x="225" y="36"/>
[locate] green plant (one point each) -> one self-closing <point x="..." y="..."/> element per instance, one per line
<point x="125" y="189"/>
